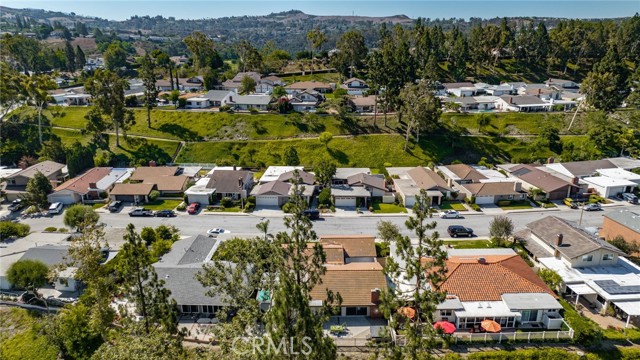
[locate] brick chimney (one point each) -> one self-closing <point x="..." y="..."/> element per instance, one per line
<point x="375" y="296"/>
<point x="556" y="250"/>
<point x="152" y="163"/>
<point x="482" y="260"/>
<point x="575" y="180"/>
<point x="551" y="160"/>
<point x="510" y="100"/>
<point x="517" y="186"/>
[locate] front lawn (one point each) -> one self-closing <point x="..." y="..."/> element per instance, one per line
<point x="381" y="208"/>
<point x="99" y="205"/>
<point x="517" y="205"/>
<point x="162" y="204"/>
<point x="234" y="209"/>
<point x="452" y="205"/>
<point x="470" y="244"/>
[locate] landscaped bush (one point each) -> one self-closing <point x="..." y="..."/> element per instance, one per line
<point x="154" y="195"/>
<point x="51" y="229"/>
<point x="529" y="354"/>
<point x="9" y="230"/>
<point x="587" y="332"/>
<point x="622" y="335"/>
<point x="504" y="202"/>
<point x="253" y="110"/>
<point x="182" y="207"/>
<point x="596" y="199"/>
<point x="251" y="200"/>
<point x="470" y="200"/>
<point x="332" y="208"/>
<point x="63" y="230"/>
<point x="226" y="202"/>
<point x="475" y="207"/>
<point x="324" y="198"/>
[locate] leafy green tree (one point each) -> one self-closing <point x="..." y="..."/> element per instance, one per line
<point x="250" y="58"/>
<point x="604" y="132"/>
<point x="148" y="77"/>
<point x="79" y="158"/>
<point x="107" y="90"/>
<point x="628" y="247"/>
<point x="78" y="216"/>
<point x="352" y="51"/>
<point x="72" y="332"/>
<point x="209" y="78"/>
<point x="130" y="344"/>
<point x="324" y="171"/>
<point x="53" y="150"/>
<point x="115" y="57"/>
<point x="325" y="138"/>
<point x="601" y="92"/>
<point x="420" y="264"/>
<point x="501" y="228"/>
<point x="549" y="134"/>
<point x="36" y="88"/>
<point x="263" y="226"/>
<point x="551" y="278"/>
<point x="164" y="61"/>
<point x="279" y="92"/>
<point x="37" y="190"/>
<point x="324" y="198"/>
<point x="247" y="85"/>
<point x="290" y="156"/>
<point x="28" y="274"/>
<point x="420" y="109"/>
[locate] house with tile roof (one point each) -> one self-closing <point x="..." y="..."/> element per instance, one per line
<point x="408" y="182"/>
<point x="496" y="284"/>
<point x="594" y="272"/>
<point x="86" y="187"/>
<point x="353" y="272"/>
<point x="554" y="187"/>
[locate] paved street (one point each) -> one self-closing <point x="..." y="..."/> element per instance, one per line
<point x="245" y="224"/>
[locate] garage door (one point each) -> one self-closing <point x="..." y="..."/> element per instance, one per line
<point x="125" y="198"/>
<point x="267" y="200"/>
<point x="345" y="201"/>
<point x="484" y="200"/>
<point x="66" y="199"/>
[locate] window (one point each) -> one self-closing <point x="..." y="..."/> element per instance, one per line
<point x="607" y="257"/>
<point x="529" y="315"/>
<point x="362" y="310"/>
<point x="587" y="258"/>
<point x="600" y="299"/>
<point x="446" y="313"/>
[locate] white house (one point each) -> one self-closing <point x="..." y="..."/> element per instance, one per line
<point x="307" y="100"/>
<point x="246" y="102"/>
<point x="273" y="173"/>
<point x="355" y="86"/>
<point x="218" y="98"/>
<point x="461" y="89"/>
<point x="620" y="174"/>
<point x="609" y="186"/>
<point x="198" y="103"/>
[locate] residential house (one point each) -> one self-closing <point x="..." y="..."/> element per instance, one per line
<point x="620" y="174"/>
<point x="562" y="84"/>
<point x="342" y="174"/>
<point x="235" y="83"/>
<point x="353" y="272"/>
<point x="144" y="172"/>
<point x="375" y="184"/>
<point x="496" y="284"/>
<point x="273" y="193"/>
<point x="273" y="173"/>
<point x="460" y="174"/>
<point x="267" y="84"/>
<point x="554" y="187"/>
<point x="178" y="269"/>
<point x="321" y="87"/>
<point x="191" y="84"/>
<point x="307" y="100"/>
<point x="460" y="89"/>
<point x="592" y="270"/>
<point x="623" y="222"/>
<point x="493" y="192"/>
<point x="499" y="90"/>
<point x="580" y="169"/>
<point x="132" y="193"/>
<point x="625" y="163"/>
<point x="355" y="86"/>
<point x="167" y="179"/>
<point x="92" y="185"/>
<point x="179" y="60"/>
<point x="363" y="104"/>
<point x="77" y="99"/>
<point x="247" y="102"/>
<point x="218" y="98"/>
<point x="408" y="182"/>
<point x="165" y="85"/>
<point x="17" y="182"/>
<point x="522" y="103"/>
<point x="305" y="178"/>
<point x="609" y="186"/>
<point x="198" y="102"/>
<point x="348" y="196"/>
<point x="234" y="184"/>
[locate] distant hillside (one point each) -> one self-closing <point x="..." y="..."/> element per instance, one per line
<point x="287" y="29"/>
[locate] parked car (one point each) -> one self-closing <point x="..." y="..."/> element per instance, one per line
<point x="312" y="214"/>
<point x="629" y="197"/>
<point x="56" y="208"/>
<point x="592" y="207"/>
<point x="459" y="230"/>
<point x="140" y="212"/>
<point x="450" y="214"/>
<point x="115" y="206"/>
<point x="15" y="205"/>
<point x="193" y="208"/>
<point x="215" y="232"/>
<point x="165" y="213"/>
<point x="570" y="203"/>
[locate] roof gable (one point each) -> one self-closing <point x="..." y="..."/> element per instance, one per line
<point x="354" y="246"/>
<point x="80" y="184"/>
<point x="427" y="179"/>
<point x="229" y="181"/>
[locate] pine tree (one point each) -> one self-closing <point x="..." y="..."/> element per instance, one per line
<point x="37" y="190"/>
<point x="81" y="60"/>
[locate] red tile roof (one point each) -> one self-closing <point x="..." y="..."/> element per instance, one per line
<point x="470" y="280"/>
<point x="80" y="184"/>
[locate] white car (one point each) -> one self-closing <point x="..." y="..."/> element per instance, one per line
<point x="56" y="208"/>
<point x="450" y="214"/>
<point x="216" y="231"/>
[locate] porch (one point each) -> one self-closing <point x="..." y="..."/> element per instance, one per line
<point x="358" y="330"/>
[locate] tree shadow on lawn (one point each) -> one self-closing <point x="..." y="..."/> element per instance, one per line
<point x="339" y="155"/>
<point x="180" y="132"/>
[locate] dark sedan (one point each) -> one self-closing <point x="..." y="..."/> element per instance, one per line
<point x="459" y="230"/>
<point x="165" y="213"/>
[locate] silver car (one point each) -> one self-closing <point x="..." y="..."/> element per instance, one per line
<point x="450" y="214"/>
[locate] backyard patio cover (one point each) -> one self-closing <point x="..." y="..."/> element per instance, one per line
<point x="581" y="289"/>
<point x="631" y="308"/>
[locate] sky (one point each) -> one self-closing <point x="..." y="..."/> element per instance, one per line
<point x="186" y="9"/>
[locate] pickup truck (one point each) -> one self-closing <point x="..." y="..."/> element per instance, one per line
<point x="140" y="212"/>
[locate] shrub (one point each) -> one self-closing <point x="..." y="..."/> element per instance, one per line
<point x="528" y="354"/>
<point x="28" y="274"/>
<point x="324" y="198"/>
<point x="154" y="195"/>
<point x="287" y="207"/>
<point x="332" y="208"/>
<point x="253" y="110"/>
<point x="50" y="229"/>
<point x="182" y="207"/>
<point x="224" y="108"/>
<point x="251" y="200"/>
<point x="475" y="207"/>
<point x="78" y="216"/>
<point x="9" y="230"/>
<point x="226" y="202"/>
<point x="63" y="230"/>
<point x="370" y="208"/>
<point x="504" y="202"/>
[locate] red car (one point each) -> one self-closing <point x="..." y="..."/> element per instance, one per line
<point x="193" y="208"/>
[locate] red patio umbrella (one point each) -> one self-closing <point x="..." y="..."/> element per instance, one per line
<point x="447" y="327"/>
<point x="490" y="326"/>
